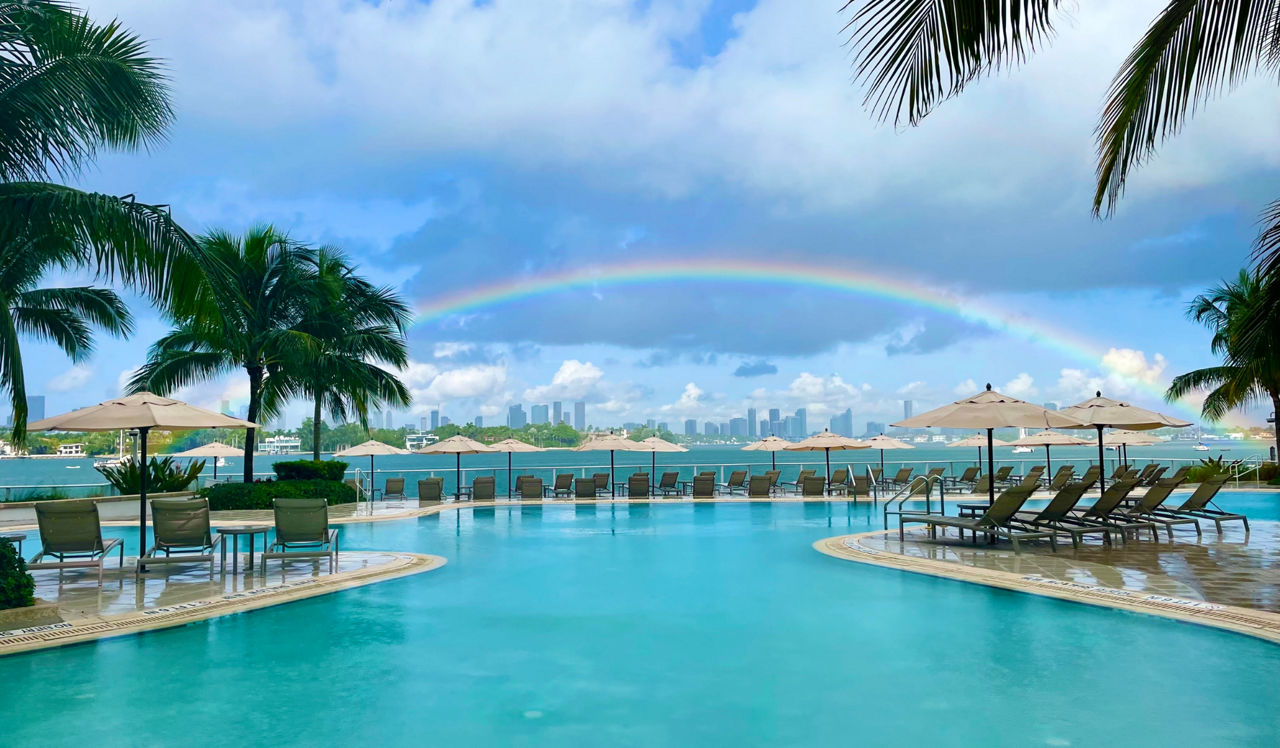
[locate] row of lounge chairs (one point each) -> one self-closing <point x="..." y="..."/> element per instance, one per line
<point x="1114" y="514"/>
<point x="71" y="535"/>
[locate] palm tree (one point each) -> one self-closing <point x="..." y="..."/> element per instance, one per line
<point x="914" y="54"/>
<point x="1250" y="372"/>
<point x="70" y="88"/>
<point x="253" y="294"/>
<point x="355" y="326"/>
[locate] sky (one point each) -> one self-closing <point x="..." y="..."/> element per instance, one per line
<point x="681" y="208"/>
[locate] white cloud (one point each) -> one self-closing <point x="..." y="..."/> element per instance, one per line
<point x="72" y="379"/>
<point x="574" y="380"/>
<point x="1133" y="364"/>
<point x="467" y="382"/>
<point x="451" y="349"/>
<point x="690" y="404"/>
<point x="418" y="375"/>
<point x="912" y="389"/>
<point x="1021" y="386"/>
<point x="965" y="388"/>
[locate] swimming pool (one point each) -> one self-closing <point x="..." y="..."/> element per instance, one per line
<point x="674" y="624"/>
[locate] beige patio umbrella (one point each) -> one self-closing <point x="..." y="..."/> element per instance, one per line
<point x="370" y="449"/>
<point x="214" y="450"/>
<point x="654" y="445"/>
<point x="979" y="441"/>
<point x="1048" y="439"/>
<point x="771" y="444"/>
<point x="882" y="442"/>
<point x="457" y="445"/>
<point x="143" y="412"/>
<point x="611" y="443"/>
<point x="511" y="446"/>
<point x="1100" y="412"/>
<point x="825" y="442"/>
<point x="1125" y="438"/>
<point x="990" y="410"/>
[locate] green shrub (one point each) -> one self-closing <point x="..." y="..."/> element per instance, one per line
<point x="261" y="494"/>
<point x="310" y="469"/>
<point x="164" y="474"/>
<point x="1265" y="472"/>
<point x="17" y="588"/>
<point x="1206" y="469"/>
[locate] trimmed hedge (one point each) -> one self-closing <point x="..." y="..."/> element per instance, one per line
<point x="17" y="588"/>
<point x="261" y="494"/>
<point x="310" y="470"/>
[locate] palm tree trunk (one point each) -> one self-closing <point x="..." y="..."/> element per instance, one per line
<point x="315" y="431"/>
<point x="255" y="404"/>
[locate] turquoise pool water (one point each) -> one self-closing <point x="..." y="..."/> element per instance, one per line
<point x="671" y="625"/>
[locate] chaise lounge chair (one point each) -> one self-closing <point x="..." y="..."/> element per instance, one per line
<point x="759" y="487"/>
<point x="638" y="486"/>
<point x="839" y="482"/>
<point x="737" y="482"/>
<point x="302" y="531"/>
<point x="430" y="489"/>
<point x="585" y="488"/>
<point x="670" y="484"/>
<point x="901" y="478"/>
<point x="71" y="532"/>
<point x="1003" y="473"/>
<point x="394" y="490"/>
<point x="563" y="485"/>
<point x="994" y="522"/>
<point x="531" y="488"/>
<point x="1061" y="478"/>
<point x="1155" y="476"/>
<point x="483" y="488"/>
<point x="967" y="478"/>
<point x="602" y="482"/>
<point x="180" y="530"/>
<point x="1090" y="477"/>
<point x="814" y="486"/>
<point x="799" y="481"/>
<point x="1104" y="512"/>
<point x="1056" y="516"/>
<point x="704" y="486"/>
<point x="1149" y="504"/>
<point x="1198" y="504"/>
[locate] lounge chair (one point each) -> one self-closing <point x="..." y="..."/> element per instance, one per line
<point x="180" y="530"/>
<point x="483" y="488"/>
<point x="936" y="473"/>
<point x="968" y="477"/>
<point x="839" y="482"/>
<point x="585" y="488"/>
<point x="431" y="489"/>
<point x="1198" y="504"/>
<point x="670" y="484"/>
<point x="563" y="485"/>
<point x="531" y="489"/>
<point x="71" y="532"/>
<point x="994" y="522"/>
<point x="602" y="482"/>
<point x="356" y="486"/>
<point x="902" y="478"/>
<point x="737" y="482"/>
<point x="862" y="486"/>
<point x="799" y="481"/>
<point x="1031" y="480"/>
<point x="1056" y="516"/>
<point x="759" y="487"/>
<point x="1149" y="504"/>
<point x="1003" y="473"/>
<point x="1147" y="472"/>
<point x="1118" y="473"/>
<point x="1090" y="476"/>
<point x="1061" y="478"/>
<point x="394" y="490"/>
<point x="814" y="486"/>
<point x="774" y="477"/>
<point x="1155" y="476"/>
<point x="982" y="486"/>
<point x="876" y="474"/>
<point x="302" y="531"/>
<point x="638" y="485"/>
<point x="704" y="486"/>
<point x="1103" y="512"/>
<point x="1180" y="475"/>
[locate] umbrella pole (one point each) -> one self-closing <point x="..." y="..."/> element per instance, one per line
<point x="613" y="487"/>
<point x="882" y="462"/>
<point x="508" y="476"/>
<point x="828" y="451"/>
<point x="143" y="470"/>
<point x="991" y="465"/>
<point x="1048" y="465"/>
<point x="773" y="457"/>
<point x="457" y="477"/>
<point x="215" y="470"/>
<point x="372" y="481"/>
<point x="1102" y="465"/>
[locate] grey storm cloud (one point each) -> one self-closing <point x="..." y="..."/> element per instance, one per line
<point x="755" y="369"/>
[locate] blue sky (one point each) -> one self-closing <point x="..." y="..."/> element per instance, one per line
<point x="456" y="144"/>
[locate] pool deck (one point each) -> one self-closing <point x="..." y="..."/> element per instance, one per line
<point x="1229" y="581"/>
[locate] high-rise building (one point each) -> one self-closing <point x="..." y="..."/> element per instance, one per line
<point x="435" y="420"/>
<point x="389" y="414"/>
<point x="538" y="414"/>
<point x="444" y="421"/>
<point x="908" y="409"/>
<point x="422" y="423"/>
<point x="580" y="415"/>
<point x="479" y="422"/>
<point x="764" y="428"/>
<point x="774" y="415"/>
<point x="789" y="427"/>
<point x="515" y="417"/>
<point x="778" y="428"/>
<point x="557" y="413"/>
<point x="710" y="429"/>
<point x="737" y="427"/>
<point x="650" y="423"/>
<point x="802" y="423"/>
<point x="690" y="427"/>
<point x="663" y="426"/>
<point x="751" y="422"/>
<point x="874" y="428"/>
<point x="842" y="423"/>
<point x="35" y="408"/>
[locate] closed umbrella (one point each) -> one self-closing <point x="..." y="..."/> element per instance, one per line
<point x="1048" y="439"/>
<point x="882" y="442"/>
<point x="979" y="441"/>
<point x="1100" y="412"/>
<point x="990" y="410"/>
<point x="143" y="411"/>
<point x="511" y="446"/>
<point x="457" y="446"/>
<point x="370" y="449"/>
<point x="214" y="450"/>
<point x="654" y="445"/>
<point x="771" y="444"/>
<point x="609" y="443"/>
<point x="825" y="442"/>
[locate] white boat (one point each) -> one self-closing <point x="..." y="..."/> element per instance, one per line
<point x="1200" y="448"/>
<point x="1021" y="450"/>
<point x="220" y="462"/>
<point x="72" y="467"/>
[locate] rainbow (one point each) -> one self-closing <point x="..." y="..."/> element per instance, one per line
<point x="860" y="283"/>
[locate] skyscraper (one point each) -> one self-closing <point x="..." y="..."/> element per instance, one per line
<point x="690" y="427"/>
<point x="710" y="429"/>
<point x="435" y="420"/>
<point x="557" y="413"/>
<point x="580" y="415"/>
<point x="422" y="423"/>
<point x="479" y="422"/>
<point x="444" y="421"/>
<point x="764" y="428"/>
<point x="538" y="414"/>
<point x="650" y="423"/>
<point x="908" y="409"/>
<point x="802" y="423"/>
<point x="388" y="421"/>
<point x="751" y="422"/>
<point x="35" y="408"/>
<point x="774" y="415"/>
<point x="842" y="423"/>
<point x="737" y="427"/>
<point x="515" y="417"/>
<point x="663" y="426"/>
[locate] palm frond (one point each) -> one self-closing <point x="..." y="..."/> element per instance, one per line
<point x="99" y="307"/>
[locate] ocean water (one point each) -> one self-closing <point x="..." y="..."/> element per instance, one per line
<point x="41" y="473"/>
<point x="663" y="625"/>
